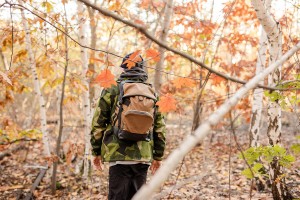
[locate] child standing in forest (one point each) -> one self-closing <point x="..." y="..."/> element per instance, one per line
<point x="128" y="131"/>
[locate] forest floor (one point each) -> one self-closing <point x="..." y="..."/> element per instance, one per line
<point x="212" y="170"/>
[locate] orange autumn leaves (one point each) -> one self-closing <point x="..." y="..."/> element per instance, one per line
<point x="183" y="82"/>
<point x="106" y="79"/>
<point x="167" y="102"/>
<point x="133" y="59"/>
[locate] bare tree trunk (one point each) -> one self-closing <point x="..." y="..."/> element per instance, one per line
<point x="198" y="107"/>
<point x="91" y="66"/>
<point x="257" y="103"/>
<point x="148" y="42"/>
<point x="86" y="99"/>
<point x="272" y="29"/>
<point x="37" y="88"/>
<point x="191" y="141"/>
<point x="61" y="120"/>
<point x="258" y="92"/>
<point x="161" y="50"/>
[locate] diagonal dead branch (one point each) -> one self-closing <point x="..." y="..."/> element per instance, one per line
<point x="192" y="140"/>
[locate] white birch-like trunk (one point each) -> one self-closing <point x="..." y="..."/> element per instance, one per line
<point x="163" y="37"/>
<point x="93" y="44"/>
<point x="37" y="88"/>
<point x="273" y="32"/>
<point x="86" y="96"/>
<point x="257" y="103"/>
<point x="191" y="141"/>
<point x="274" y="35"/>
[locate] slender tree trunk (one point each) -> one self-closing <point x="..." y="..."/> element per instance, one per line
<point x="91" y="66"/>
<point x="158" y="22"/>
<point x="37" y="88"/>
<point x="258" y="92"/>
<point x="198" y="107"/>
<point x="61" y="121"/>
<point x="257" y="103"/>
<point x="272" y="29"/>
<point x="86" y="99"/>
<point x="163" y="37"/>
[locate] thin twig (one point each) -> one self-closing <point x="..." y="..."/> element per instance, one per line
<point x="179" y="171"/>
<point x="12" y="38"/>
<point x="142" y="30"/>
<point x="61" y="30"/>
<point x="61" y="121"/>
<point x="148" y="35"/>
<point x="230" y="151"/>
<point x="19" y="140"/>
<point x="241" y="150"/>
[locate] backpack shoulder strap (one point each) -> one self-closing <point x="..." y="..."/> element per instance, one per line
<point x="121" y="91"/>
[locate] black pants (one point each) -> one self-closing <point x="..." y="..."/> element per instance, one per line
<point x="126" y="180"/>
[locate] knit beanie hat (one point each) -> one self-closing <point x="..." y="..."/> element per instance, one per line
<point x="136" y="73"/>
<point x="139" y="64"/>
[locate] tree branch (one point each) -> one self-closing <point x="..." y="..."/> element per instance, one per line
<point x="12" y="38"/>
<point x="61" y="30"/>
<point x="19" y="140"/>
<point x="149" y="36"/>
<point x="192" y="140"/>
<point x="158" y="42"/>
<point x="10" y="151"/>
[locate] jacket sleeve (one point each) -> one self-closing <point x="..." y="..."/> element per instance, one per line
<point x="159" y="136"/>
<point x="100" y="121"/>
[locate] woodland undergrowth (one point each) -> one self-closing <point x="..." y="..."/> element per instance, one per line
<point x="203" y="174"/>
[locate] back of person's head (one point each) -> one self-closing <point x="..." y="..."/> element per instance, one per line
<point x="137" y="72"/>
<point x="139" y="63"/>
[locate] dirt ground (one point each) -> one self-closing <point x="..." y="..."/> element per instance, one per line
<point x="212" y="170"/>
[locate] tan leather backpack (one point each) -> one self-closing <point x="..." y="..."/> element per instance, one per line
<point x="135" y="111"/>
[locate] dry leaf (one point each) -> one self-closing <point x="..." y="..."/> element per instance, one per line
<point x="133" y="59"/>
<point x="105" y="79"/>
<point x="153" y="54"/>
<point x="167" y="103"/>
<point x="184" y="82"/>
<point x="5" y="77"/>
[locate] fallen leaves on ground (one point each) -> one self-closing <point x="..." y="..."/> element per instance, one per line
<point x="204" y="174"/>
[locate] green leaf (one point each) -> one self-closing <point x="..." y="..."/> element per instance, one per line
<point x="296" y="148"/>
<point x="294" y="99"/>
<point x="274" y="96"/>
<point x="48" y="6"/>
<point x="257" y="167"/>
<point x="268" y="154"/>
<point x="280" y="150"/>
<point x="251" y="155"/>
<point x="247" y="172"/>
<point x="283" y="104"/>
<point x="287" y="160"/>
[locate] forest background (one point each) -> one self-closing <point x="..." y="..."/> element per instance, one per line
<point x="57" y="56"/>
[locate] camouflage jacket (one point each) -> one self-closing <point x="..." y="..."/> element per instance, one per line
<point x="105" y="143"/>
